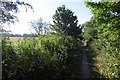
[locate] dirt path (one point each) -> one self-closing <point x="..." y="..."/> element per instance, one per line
<point x="85" y="71"/>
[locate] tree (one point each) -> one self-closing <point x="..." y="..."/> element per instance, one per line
<point x="107" y="46"/>
<point x="40" y="26"/>
<point x="66" y="22"/>
<point x="8" y="10"/>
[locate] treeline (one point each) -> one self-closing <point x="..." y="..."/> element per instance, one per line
<point x="18" y="35"/>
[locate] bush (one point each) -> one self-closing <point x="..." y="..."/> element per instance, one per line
<point x="106" y="60"/>
<point x="46" y="57"/>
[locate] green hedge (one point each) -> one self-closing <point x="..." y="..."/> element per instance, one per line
<point x="42" y="58"/>
<point x="106" y="60"/>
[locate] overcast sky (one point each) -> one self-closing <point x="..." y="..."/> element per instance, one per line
<point x="46" y="9"/>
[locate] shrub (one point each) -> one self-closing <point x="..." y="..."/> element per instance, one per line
<point x="46" y="57"/>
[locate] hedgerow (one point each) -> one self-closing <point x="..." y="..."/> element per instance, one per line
<point x="46" y="57"/>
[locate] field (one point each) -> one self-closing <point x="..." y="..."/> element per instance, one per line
<point x="15" y="39"/>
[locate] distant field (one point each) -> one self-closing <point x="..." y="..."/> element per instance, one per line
<point x="16" y="38"/>
<point x="19" y="38"/>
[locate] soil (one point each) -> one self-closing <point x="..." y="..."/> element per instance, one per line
<point x="85" y="70"/>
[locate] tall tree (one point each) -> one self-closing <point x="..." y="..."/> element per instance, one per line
<point x="40" y="26"/>
<point x="66" y="22"/>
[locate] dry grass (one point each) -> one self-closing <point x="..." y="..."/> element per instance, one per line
<point x="15" y="39"/>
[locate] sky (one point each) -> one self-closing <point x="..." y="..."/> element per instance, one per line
<point x="46" y="9"/>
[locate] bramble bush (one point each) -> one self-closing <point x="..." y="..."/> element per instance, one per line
<point x="52" y="56"/>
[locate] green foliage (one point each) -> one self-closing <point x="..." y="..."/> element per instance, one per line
<point x="43" y="58"/>
<point x="7" y="8"/>
<point x="90" y="32"/>
<point x="107" y="47"/>
<point x="9" y="59"/>
<point x="65" y="22"/>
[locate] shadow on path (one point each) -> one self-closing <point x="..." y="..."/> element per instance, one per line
<point x="85" y="70"/>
